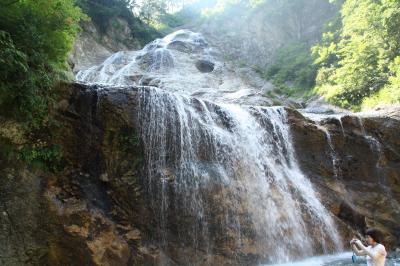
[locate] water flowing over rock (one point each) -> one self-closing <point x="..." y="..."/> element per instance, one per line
<point x="180" y="62"/>
<point x="230" y="172"/>
<point x="222" y="178"/>
<point x="354" y="162"/>
<point x="219" y="177"/>
<point x="93" y="46"/>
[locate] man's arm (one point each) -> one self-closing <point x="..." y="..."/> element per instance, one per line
<point x="373" y="255"/>
<point x="357" y="251"/>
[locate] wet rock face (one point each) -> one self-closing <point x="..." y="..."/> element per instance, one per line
<point x="358" y="172"/>
<point x="74" y="217"/>
<point x="105" y="207"/>
<point x="97" y="211"/>
<point x="181" y="62"/>
<point x="181" y="46"/>
<point x="157" y="59"/>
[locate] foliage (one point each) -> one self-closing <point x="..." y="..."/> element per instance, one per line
<point x="291" y="67"/>
<point x="293" y="64"/>
<point x="152" y="10"/>
<point x="35" y="38"/>
<point x="170" y="21"/>
<point x="100" y="11"/>
<point x="357" y="62"/>
<point x="43" y="156"/>
<point x="390" y="93"/>
<point x="103" y="12"/>
<point x="13" y="68"/>
<point x="166" y="15"/>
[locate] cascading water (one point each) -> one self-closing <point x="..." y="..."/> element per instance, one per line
<point x="226" y="174"/>
<point x="245" y="154"/>
<point x="178" y="63"/>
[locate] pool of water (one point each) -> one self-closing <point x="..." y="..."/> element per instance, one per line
<point x="341" y="259"/>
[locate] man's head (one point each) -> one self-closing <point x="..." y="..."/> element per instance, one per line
<point x="372" y="236"/>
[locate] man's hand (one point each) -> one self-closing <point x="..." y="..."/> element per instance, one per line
<point x="358" y="242"/>
<point x="354" y="240"/>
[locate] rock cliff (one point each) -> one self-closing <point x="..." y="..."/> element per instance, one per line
<point x="353" y="159"/>
<point x="97" y="211"/>
<point x="253" y="35"/>
<point x="92" y="46"/>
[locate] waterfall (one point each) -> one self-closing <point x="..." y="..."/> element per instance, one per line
<point x="234" y="167"/>
<point x="219" y="178"/>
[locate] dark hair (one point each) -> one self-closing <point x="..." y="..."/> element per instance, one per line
<point x="374" y="234"/>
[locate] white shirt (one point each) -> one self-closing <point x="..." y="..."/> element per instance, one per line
<point x="376" y="255"/>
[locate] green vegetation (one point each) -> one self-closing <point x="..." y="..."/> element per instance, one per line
<point x="152" y="10"/>
<point x="166" y="15"/>
<point x="292" y="71"/>
<point x="355" y="65"/>
<point x="359" y="61"/>
<point x="101" y="11"/>
<point x="35" y="38"/>
<point x="104" y="12"/>
<point x="45" y="157"/>
<point x="129" y="140"/>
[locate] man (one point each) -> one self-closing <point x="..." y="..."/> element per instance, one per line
<point x="375" y="252"/>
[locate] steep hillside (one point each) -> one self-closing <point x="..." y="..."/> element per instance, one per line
<point x="253" y="34"/>
<point x="111" y="27"/>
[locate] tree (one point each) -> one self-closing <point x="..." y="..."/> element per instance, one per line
<point x="357" y="61"/>
<point x="152" y="10"/>
<point x="101" y="11"/>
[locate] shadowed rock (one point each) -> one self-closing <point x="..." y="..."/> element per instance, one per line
<point x="205" y="66"/>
